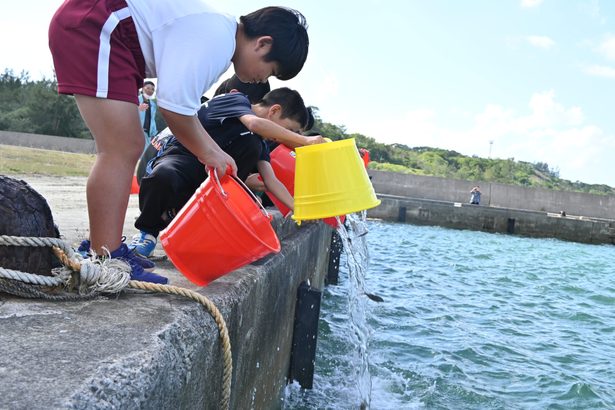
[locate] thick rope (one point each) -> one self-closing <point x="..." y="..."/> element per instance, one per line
<point x="95" y="277"/>
<point x="217" y="316"/>
<point x="36" y="242"/>
<point x="31" y="278"/>
<point x="24" y="290"/>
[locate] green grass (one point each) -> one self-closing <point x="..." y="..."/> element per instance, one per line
<point x="22" y="160"/>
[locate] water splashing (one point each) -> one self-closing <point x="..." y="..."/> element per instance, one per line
<point x="357" y="260"/>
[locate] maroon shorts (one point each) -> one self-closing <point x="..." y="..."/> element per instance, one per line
<point x="96" y="50"/>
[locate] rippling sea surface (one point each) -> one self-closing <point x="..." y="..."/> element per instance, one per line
<point x="471" y="320"/>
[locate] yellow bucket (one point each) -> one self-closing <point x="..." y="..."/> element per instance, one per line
<point x="331" y="180"/>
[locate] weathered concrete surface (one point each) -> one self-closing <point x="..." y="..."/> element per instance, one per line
<point x="458" y="215"/>
<point x="157" y="351"/>
<point x="494" y="194"/>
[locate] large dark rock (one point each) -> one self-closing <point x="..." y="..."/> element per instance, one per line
<point x="24" y="212"/>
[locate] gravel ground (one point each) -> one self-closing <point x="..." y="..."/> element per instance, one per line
<point x="66" y="198"/>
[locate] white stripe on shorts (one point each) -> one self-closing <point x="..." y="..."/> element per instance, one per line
<point x="104" y="50"/>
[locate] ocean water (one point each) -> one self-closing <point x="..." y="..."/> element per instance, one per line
<point x="470" y="320"/>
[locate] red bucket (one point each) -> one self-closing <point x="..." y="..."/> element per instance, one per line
<point x="283" y="164"/>
<point x="221" y="228"/>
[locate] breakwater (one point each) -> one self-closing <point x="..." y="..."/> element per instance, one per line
<point x="149" y="350"/>
<point x="494" y="194"/>
<point x="496" y="220"/>
<point x="443" y="202"/>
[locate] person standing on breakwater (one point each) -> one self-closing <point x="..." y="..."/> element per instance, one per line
<point x="103" y="50"/>
<point x="475" y="195"/>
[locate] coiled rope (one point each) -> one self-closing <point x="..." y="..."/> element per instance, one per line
<point x="93" y="277"/>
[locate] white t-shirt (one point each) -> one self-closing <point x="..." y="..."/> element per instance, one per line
<point x="187" y="45"/>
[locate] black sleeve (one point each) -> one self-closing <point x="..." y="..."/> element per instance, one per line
<point x="264" y="152"/>
<point x="225" y="106"/>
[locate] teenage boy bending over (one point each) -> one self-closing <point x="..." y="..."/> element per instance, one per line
<point x="238" y="127"/>
<point x="103" y="50"/>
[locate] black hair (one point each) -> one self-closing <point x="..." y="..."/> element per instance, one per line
<point x="309" y="123"/>
<point x="288" y="29"/>
<point x="148" y="82"/>
<point x="255" y="92"/>
<point x="291" y="102"/>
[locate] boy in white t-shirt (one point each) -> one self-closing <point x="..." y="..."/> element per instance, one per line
<point x="102" y="51"/>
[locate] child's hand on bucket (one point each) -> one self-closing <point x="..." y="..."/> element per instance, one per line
<point x="221" y="161"/>
<point x="315" y="139"/>
<point x="255" y="183"/>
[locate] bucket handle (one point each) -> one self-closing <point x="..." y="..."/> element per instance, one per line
<point x="244" y="186"/>
<point x="213" y="171"/>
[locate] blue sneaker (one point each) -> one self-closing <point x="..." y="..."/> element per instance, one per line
<point x="146" y="264"/>
<point x="133" y="260"/>
<point x="84" y="249"/>
<point x="143" y="244"/>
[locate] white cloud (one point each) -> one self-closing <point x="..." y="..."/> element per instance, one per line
<point x="540" y="41"/>
<point x="547" y="132"/>
<point x="607" y="48"/>
<point x="530" y="3"/>
<point x="600" y="71"/>
<point x="592" y="9"/>
<point x="546" y="112"/>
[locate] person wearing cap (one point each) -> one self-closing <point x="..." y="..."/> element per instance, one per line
<point x="148" y="107"/>
<point x="475" y="195"/>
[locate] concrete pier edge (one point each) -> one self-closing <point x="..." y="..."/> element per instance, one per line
<point x="143" y="350"/>
<point x="508" y="209"/>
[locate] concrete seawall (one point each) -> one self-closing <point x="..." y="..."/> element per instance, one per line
<point x="508" y="209"/>
<point x="141" y="350"/>
<point x="52" y="142"/>
<point x="494" y="194"/>
<point x="420" y="211"/>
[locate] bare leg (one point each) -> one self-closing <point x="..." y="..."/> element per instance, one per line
<point x="119" y="143"/>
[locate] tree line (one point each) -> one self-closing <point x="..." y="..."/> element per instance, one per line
<point x="451" y="164"/>
<point x="36" y="107"/>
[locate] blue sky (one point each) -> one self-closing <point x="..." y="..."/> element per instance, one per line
<point x="532" y="80"/>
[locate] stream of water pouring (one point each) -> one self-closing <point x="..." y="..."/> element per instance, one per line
<point x="353" y="235"/>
